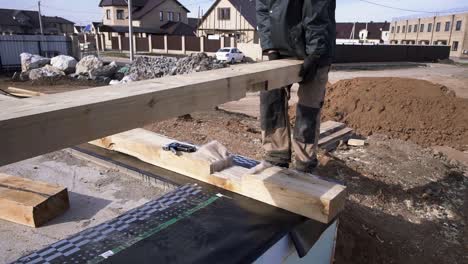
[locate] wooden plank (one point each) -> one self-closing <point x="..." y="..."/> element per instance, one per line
<point x="67" y="119"/>
<point x="304" y="194"/>
<point x="329" y="127"/>
<point x="24" y="92"/>
<point x="30" y="203"/>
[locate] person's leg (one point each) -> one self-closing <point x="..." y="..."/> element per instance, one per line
<point x="307" y="127"/>
<point x="275" y="126"/>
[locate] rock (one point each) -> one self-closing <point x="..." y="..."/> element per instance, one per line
<point x="87" y="64"/>
<point x="24" y="76"/>
<point x="356" y="142"/>
<point x="64" y="63"/>
<point x="44" y="72"/>
<point x="104" y="71"/>
<point x="30" y="61"/>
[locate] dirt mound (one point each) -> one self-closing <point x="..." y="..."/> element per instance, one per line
<point x="408" y="109"/>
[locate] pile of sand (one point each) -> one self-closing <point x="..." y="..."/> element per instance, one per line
<point x="408" y="109"/>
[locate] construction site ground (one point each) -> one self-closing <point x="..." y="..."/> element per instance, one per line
<point x="407" y="202"/>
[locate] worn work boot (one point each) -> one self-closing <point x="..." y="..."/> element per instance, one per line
<point x="307" y="167"/>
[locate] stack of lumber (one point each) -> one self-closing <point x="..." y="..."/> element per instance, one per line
<point x="30" y="203"/>
<point x="301" y="193"/>
<point x="331" y="133"/>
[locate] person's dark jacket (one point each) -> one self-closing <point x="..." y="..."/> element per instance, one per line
<point x="298" y="28"/>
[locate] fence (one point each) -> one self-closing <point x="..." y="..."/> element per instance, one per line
<point x="390" y="53"/>
<point x="170" y="44"/>
<point x="12" y="46"/>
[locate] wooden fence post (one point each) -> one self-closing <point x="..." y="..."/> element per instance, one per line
<point x="120" y="41"/>
<point x="183" y="44"/>
<point x="166" y="49"/>
<point x="150" y="43"/>
<point x="202" y="44"/>
<point x="221" y="43"/>
<point x="233" y="42"/>
<point x="134" y="43"/>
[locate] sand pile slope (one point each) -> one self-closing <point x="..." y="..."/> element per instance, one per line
<point x="408" y="109"/>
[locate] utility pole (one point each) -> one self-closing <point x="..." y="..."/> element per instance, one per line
<point x="130" y="29"/>
<point x="40" y="17"/>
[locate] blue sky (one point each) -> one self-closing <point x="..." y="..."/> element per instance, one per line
<point x="84" y="11"/>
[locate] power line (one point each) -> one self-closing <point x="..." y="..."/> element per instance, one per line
<point x="397" y="8"/>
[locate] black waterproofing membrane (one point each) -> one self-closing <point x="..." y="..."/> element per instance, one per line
<point x="195" y="223"/>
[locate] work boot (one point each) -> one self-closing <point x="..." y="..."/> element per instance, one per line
<point x="307" y="167"/>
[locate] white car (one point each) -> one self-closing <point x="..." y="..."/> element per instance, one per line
<point x="230" y="54"/>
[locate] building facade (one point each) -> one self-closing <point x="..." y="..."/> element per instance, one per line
<point x="451" y="30"/>
<point x="148" y="17"/>
<point x="234" y="18"/>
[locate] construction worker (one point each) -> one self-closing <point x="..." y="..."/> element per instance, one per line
<point x="302" y="29"/>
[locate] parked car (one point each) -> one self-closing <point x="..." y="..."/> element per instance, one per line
<point x="230" y="54"/>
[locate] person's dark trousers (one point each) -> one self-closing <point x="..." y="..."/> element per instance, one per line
<point x="276" y="135"/>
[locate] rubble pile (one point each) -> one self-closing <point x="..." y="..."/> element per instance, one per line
<point x="144" y="68"/>
<point x="64" y="63"/>
<point x="197" y="62"/>
<point x="151" y="67"/>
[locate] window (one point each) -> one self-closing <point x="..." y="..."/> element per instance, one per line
<point x="458" y="25"/>
<point x="120" y="14"/>
<point x="161" y="16"/>
<point x="447" y="26"/>
<point x="421" y="28"/>
<point x="429" y="27"/>
<point x="438" y="27"/>
<point x="393" y="29"/>
<point x="108" y="14"/>
<point x="455" y="46"/>
<point x="398" y="29"/>
<point x="404" y="29"/>
<point x="224" y="13"/>
<point x="415" y="28"/>
<point x="170" y="16"/>
<point x="178" y="17"/>
<point x="409" y="28"/>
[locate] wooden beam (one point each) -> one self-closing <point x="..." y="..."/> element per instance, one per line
<point x="35" y="126"/>
<point x="30" y="203"/>
<point x="23" y="92"/>
<point x="304" y="194"/>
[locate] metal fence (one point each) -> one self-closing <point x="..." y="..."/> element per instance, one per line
<point x="48" y="46"/>
<point x="390" y="53"/>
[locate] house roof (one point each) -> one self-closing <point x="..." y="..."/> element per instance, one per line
<point x="150" y="5"/>
<point x="245" y="7"/>
<point x="27" y="18"/>
<point x="135" y="3"/>
<point x="178" y="28"/>
<point x="193" y="22"/>
<point x="343" y="30"/>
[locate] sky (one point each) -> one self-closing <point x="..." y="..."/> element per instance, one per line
<point x="84" y="11"/>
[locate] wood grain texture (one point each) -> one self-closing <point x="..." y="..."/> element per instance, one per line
<point x="30" y="203"/>
<point x="304" y="194"/>
<point x="71" y="118"/>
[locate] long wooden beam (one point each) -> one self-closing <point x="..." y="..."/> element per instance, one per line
<point x="301" y="193"/>
<point x="35" y="126"/>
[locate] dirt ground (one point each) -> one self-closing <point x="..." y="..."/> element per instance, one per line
<point x="56" y="85"/>
<point x="407" y="204"/>
<point x="409" y="109"/>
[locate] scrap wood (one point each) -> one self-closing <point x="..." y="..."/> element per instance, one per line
<point x="301" y="193"/>
<point x="29" y="202"/>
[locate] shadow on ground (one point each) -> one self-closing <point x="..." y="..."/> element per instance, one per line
<point x="82" y="207"/>
<point x="371" y="231"/>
